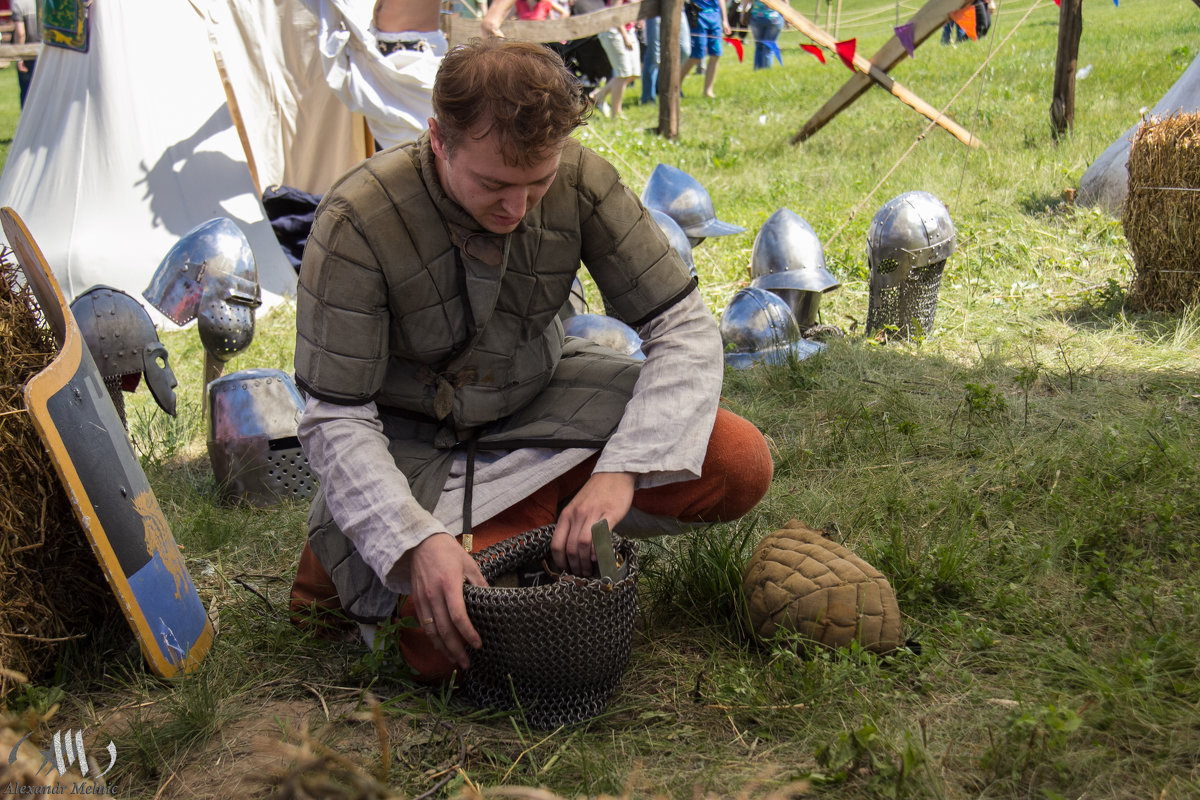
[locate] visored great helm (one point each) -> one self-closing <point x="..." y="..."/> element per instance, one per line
<point x="685" y="200"/>
<point x="758" y="326"/>
<point x="909" y="240"/>
<point x="676" y="237"/>
<point x="606" y="331"/>
<point x="788" y="260"/>
<point x="125" y="345"/>
<point x="210" y="273"/>
<point x="254" y="416"/>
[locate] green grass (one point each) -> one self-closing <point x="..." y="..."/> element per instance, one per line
<point x="1024" y="476"/>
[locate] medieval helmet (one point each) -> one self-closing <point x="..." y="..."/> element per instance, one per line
<point x="788" y="260"/>
<point x="908" y="242"/>
<point x="676" y="237"/>
<point x="685" y="200"/>
<point x="124" y="343"/>
<point x="607" y="331"/>
<point x="758" y="326"/>
<point x="253" y="419"/>
<point x="210" y="273"/>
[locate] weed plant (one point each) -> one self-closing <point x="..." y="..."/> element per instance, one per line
<point x="1024" y="473"/>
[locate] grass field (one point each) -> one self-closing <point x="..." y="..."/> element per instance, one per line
<point x="1025" y="476"/>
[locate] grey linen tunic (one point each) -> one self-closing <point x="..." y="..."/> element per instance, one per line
<point x="662" y="438"/>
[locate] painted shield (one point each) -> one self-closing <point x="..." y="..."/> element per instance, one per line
<point x="112" y="499"/>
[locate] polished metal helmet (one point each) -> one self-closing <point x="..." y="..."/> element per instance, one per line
<point x="124" y="344"/>
<point x="253" y="419"/>
<point x="607" y="331"/>
<point x="676" y="237"/>
<point x="210" y="272"/>
<point x="758" y="326"/>
<point x="788" y="260"/>
<point x="576" y="303"/>
<point x="908" y="242"/>
<point x="685" y="200"/>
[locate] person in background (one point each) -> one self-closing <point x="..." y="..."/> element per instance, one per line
<point x="712" y="26"/>
<point x="25" y="31"/>
<point x="765" y="24"/>
<point x="621" y="46"/>
<point x="408" y="25"/>
<point x="443" y="399"/>
<point x="651" y="55"/>
<point x="538" y="10"/>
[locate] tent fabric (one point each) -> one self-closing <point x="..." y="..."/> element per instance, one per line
<point x="393" y="92"/>
<point x="1106" y="181"/>
<point x="299" y="132"/>
<point x="122" y="150"/>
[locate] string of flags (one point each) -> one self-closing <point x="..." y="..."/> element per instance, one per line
<point x="736" y="44"/>
<point x="963" y="18"/>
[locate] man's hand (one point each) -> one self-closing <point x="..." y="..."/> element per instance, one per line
<point x="606" y="495"/>
<point x="438" y="566"/>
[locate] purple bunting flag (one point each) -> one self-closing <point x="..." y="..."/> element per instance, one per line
<point x="905" y="34"/>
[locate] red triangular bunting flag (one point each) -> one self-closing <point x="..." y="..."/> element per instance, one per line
<point x="737" y="45"/>
<point x="816" y="51"/>
<point x="904" y="34"/>
<point x="965" y="19"/>
<point x="1058" y="3"/>
<point x="845" y="50"/>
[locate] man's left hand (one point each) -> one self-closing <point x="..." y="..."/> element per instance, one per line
<point x="607" y="496"/>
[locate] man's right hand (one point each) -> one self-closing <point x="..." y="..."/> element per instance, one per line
<point x="438" y="567"/>
<point x="493" y="18"/>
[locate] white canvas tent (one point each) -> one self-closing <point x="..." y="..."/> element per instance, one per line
<point x="1106" y="181"/>
<point x="123" y="149"/>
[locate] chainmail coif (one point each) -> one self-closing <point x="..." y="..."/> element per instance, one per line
<point x="555" y="650"/>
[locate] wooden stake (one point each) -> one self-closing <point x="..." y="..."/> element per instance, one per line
<point x="669" y="77"/>
<point x="1062" y="103"/>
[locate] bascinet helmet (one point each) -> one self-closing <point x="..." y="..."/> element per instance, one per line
<point x="683" y="199"/>
<point x="758" y="326"/>
<point x="908" y="243"/>
<point x="788" y="260"/>
<point x="607" y="331"/>
<point x="676" y="237"/>
<point x="125" y="345"/>
<point x="210" y="274"/>
<point x="253" y="420"/>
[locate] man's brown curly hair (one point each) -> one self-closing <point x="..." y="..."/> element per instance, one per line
<point x="521" y="92"/>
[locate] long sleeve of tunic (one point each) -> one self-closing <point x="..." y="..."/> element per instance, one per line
<point x="662" y="437"/>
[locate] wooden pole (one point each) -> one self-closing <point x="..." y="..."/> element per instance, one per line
<point x="1062" y="104"/>
<point x="669" y="77"/>
<point x="861" y="64"/>
<point x="837" y="20"/>
<point x="926" y="22"/>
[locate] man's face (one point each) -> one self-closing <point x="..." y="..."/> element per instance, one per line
<point x="476" y="177"/>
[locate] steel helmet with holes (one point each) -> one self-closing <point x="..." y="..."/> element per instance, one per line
<point x="607" y="331"/>
<point x="788" y="260"/>
<point x="676" y="237"/>
<point x="253" y="419"/>
<point x="210" y="274"/>
<point x="758" y="327"/>
<point x="124" y="344"/>
<point x="908" y="242"/>
<point x="685" y="200"/>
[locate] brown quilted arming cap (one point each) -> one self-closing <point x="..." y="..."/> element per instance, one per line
<point x="799" y="581"/>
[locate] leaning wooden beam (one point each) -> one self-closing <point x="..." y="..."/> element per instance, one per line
<point x="460" y="29"/>
<point x="879" y="76"/>
<point x="927" y="21"/>
<point x="31" y="50"/>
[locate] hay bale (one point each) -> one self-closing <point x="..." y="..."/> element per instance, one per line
<point x="51" y="588"/>
<point x="1162" y="213"/>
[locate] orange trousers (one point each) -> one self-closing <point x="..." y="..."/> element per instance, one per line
<point x="736" y="474"/>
